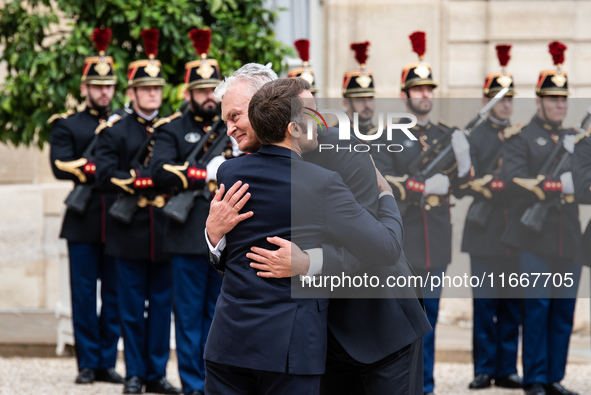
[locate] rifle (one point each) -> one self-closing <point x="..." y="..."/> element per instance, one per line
<point x="180" y="205"/>
<point x="125" y="206"/>
<point x="440" y="156"/>
<point x="77" y="200"/>
<point x="534" y="216"/>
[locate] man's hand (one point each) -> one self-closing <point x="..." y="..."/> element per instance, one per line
<point x="224" y="213"/>
<point x="288" y="261"/>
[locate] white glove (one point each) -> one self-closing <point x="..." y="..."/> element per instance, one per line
<point x="212" y="168"/>
<point x="437" y="185"/>
<point x="461" y="148"/>
<point x="568" y="142"/>
<point x="568" y="186"/>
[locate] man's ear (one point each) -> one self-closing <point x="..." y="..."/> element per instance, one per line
<point x="83" y="90"/>
<point x="293" y="129"/>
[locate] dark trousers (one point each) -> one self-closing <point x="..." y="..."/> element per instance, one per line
<point x="145" y="307"/>
<point x="495" y="334"/>
<point x="196" y="286"/>
<point x="548" y="316"/>
<point x="231" y="380"/>
<point x="431" y="300"/>
<point x="95" y="334"/>
<point x="399" y="373"/>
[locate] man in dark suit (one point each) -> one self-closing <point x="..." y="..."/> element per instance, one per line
<point x="372" y="344"/>
<point x="283" y="343"/>
<point x="95" y="336"/>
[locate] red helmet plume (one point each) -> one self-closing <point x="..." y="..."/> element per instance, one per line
<point x="201" y="40"/>
<point x="503" y="53"/>
<point x="303" y="48"/>
<point x="360" y="51"/>
<point x="150" y="37"/>
<point x="556" y="49"/>
<point x="419" y="43"/>
<point x="100" y="38"/>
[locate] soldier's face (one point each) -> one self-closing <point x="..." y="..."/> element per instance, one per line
<point x="364" y="106"/>
<point x="552" y="108"/>
<point x="235" y="114"/>
<point x="98" y="96"/>
<point x="202" y="101"/>
<point x="503" y="109"/>
<point x="146" y="99"/>
<point x="420" y="99"/>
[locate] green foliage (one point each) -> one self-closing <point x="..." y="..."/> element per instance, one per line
<point x="46" y="43"/>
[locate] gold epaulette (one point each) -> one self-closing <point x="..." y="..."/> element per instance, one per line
<point x="107" y="124"/>
<point x="63" y="115"/>
<point x="167" y="119"/>
<point x="513" y="130"/>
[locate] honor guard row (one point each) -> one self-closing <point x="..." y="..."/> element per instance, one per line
<point x="125" y="169"/>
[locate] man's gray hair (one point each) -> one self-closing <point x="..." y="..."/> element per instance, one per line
<point x="255" y="74"/>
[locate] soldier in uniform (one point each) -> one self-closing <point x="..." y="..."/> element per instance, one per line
<point x="427" y="222"/>
<point x="196" y="284"/>
<point x="548" y="311"/>
<point x="306" y="72"/>
<point x="72" y="139"/>
<point x="496" y="316"/>
<point x="359" y="92"/>
<point x="143" y="268"/>
<point x="581" y="170"/>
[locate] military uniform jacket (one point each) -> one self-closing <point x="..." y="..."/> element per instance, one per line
<point x="69" y="138"/>
<point x="523" y="157"/>
<point x="174" y="141"/>
<point x="486" y="184"/>
<point x="427" y="241"/>
<point x="143" y="239"/>
<point x="582" y="179"/>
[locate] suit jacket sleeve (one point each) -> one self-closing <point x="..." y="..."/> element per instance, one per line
<point x="351" y="225"/>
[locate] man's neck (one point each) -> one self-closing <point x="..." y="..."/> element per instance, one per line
<point x="145" y="116"/>
<point x="498" y="121"/>
<point x="287" y="144"/>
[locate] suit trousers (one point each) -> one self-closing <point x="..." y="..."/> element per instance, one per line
<point x="231" y="380"/>
<point x="495" y="334"/>
<point x="431" y="300"/>
<point x="145" y="308"/>
<point x="400" y="373"/>
<point x="95" y="335"/>
<point x="548" y="316"/>
<point x="196" y="286"/>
